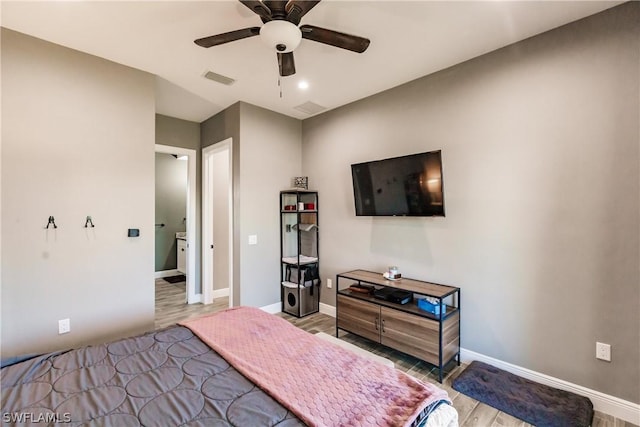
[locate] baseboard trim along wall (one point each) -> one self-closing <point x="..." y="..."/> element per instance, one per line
<point x="219" y="293"/>
<point x="327" y="309"/>
<point x="166" y="273"/>
<point x="274" y="308"/>
<point x="277" y="308"/>
<point x="604" y="403"/>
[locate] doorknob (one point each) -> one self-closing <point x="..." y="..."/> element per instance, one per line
<point x="211" y="246"/>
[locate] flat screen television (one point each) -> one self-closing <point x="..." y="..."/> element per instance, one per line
<point x="401" y="186"/>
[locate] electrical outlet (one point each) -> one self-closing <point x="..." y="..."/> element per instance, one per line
<point x="329" y="284"/>
<point x="64" y="326"/>
<point x="603" y="351"/>
<point x="253" y="239"/>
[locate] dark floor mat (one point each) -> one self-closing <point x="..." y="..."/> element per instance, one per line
<point x="527" y="400"/>
<point x="175" y="279"/>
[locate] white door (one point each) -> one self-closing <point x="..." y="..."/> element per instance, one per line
<point x="217" y="222"/>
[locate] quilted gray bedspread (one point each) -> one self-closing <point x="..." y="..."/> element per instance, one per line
<point x="164" y="378"/>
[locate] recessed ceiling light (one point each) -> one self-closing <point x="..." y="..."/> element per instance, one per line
<point x="303" y="84"/>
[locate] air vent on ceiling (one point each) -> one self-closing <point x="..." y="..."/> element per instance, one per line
<point x="310" y="108"/>
<point x="219" y="78"/>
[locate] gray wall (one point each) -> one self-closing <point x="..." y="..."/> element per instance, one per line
<point x="77" y="140"/>
<point x="540" y="148"/>
<point x="271" y="156"/>
<point x="266" y="156"/>
<point x="185" y="134"/>
<point x="218" y="128"/>
<point x="171" y="208"/>
<point x="225" y="124"/>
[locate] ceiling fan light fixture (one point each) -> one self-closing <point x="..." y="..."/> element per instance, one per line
<point x="281" y="36"/>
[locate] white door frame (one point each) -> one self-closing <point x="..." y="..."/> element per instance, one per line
<point x="191" y="216"/>
<point x="207" y="219"/>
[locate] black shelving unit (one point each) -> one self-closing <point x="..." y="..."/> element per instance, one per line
<point x="299" y="258"/>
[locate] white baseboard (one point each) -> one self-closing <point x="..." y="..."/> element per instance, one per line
<point x="327" y="309"/>
<point x="277" y="308"/>
<point x="166" y="273"/>
<point x="195" y="299"/>
<point x="219" y="293"/>
<point x="274" y="308"/>
<point x="604" y="403"/>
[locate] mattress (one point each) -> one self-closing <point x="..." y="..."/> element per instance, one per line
<point x="442" y="416"/>
<point x="164" y="378"/>
<point x="168" y="377"/>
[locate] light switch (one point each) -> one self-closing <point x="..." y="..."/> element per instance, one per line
<point x="253" y="239"/>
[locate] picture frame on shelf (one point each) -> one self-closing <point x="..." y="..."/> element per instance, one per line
<point x="301" y="182"/>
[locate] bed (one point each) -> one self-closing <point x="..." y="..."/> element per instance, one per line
<point x="238" y="367"/>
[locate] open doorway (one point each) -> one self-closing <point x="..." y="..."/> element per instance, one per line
<point x="217" y="222"/>
<point x="176" y="222"/>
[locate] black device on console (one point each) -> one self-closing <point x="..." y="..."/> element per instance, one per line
<point x="394" y="295"/>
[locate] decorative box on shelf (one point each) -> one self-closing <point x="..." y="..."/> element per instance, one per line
<point x="432" y="307"/>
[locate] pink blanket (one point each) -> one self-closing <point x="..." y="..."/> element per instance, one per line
<point x="320" y="382"/>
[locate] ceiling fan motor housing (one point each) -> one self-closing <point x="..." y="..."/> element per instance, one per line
<point x="281" y="36"/>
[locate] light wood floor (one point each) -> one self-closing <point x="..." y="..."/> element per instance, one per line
<point x="171" y="308"/>
<point x="171" y="305"/>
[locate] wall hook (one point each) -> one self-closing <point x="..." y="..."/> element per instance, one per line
<point x="88" y="222"/>
<point x="51" y="221"/>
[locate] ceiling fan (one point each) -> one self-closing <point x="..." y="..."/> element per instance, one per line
<point x="281" y="32"/>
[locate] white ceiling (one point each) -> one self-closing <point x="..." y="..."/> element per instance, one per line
<point x="409" y="39"/>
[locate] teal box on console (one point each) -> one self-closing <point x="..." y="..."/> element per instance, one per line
<point x="434" y="309"/>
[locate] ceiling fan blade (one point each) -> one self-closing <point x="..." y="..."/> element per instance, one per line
<point x="286" y="64"/>
<point x="334" y="38"/>
<point x="227" y="37"/>
<point x="259" y="8"/>
<point x="296" y="9"/>
<point x="277" y="7"/>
